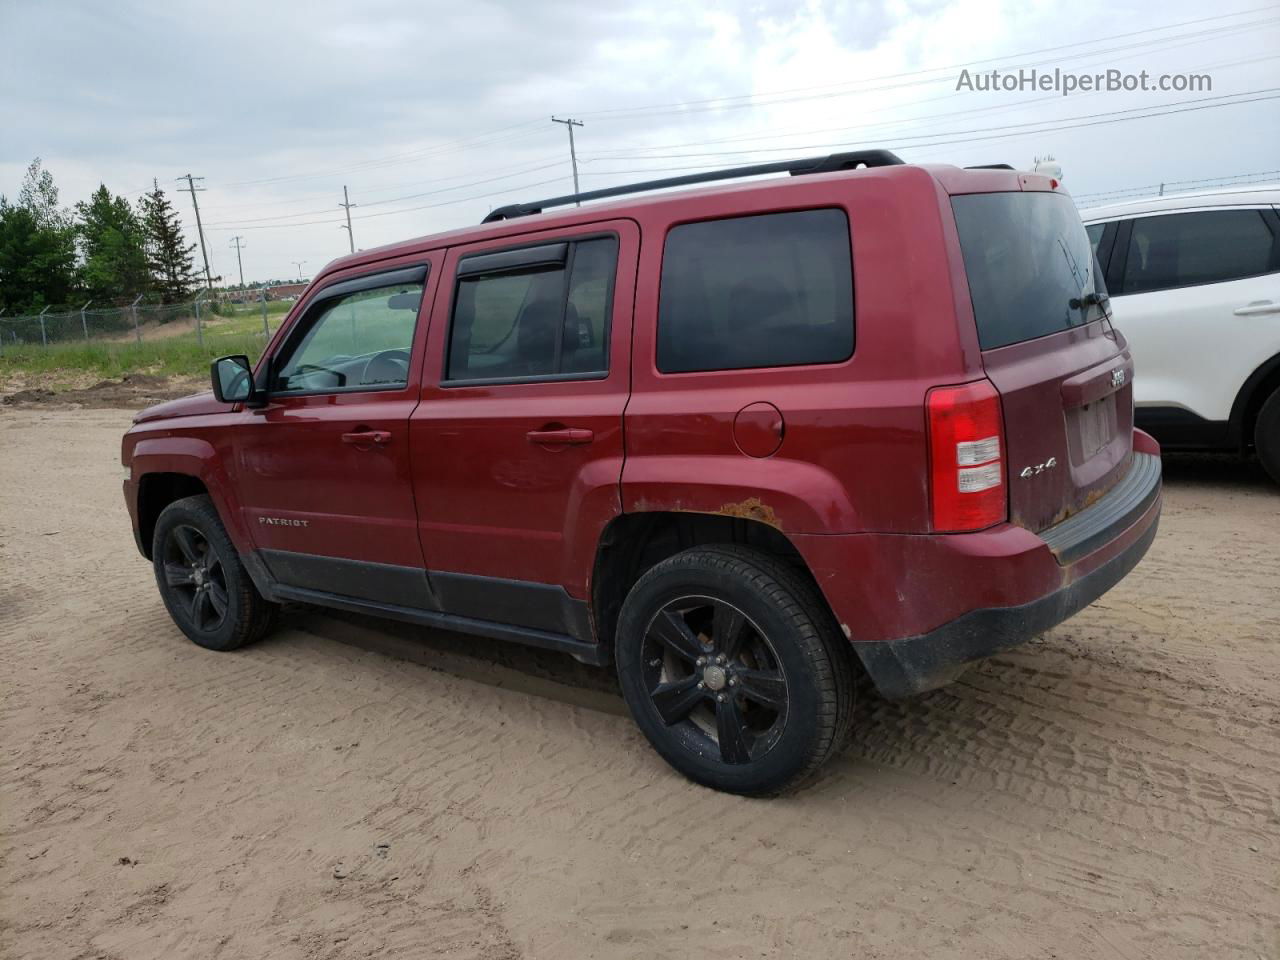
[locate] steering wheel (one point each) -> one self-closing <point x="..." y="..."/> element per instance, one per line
<point x="305" y="369"/>
<point x="389" y="366"/>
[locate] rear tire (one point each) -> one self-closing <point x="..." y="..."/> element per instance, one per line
<point x="734" y="669"/>
<point x="205" y="587"/>
<point x="1266" y="436"/>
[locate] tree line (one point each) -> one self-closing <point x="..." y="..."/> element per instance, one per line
<point x="105" y="249"/>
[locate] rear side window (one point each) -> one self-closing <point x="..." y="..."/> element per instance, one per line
<point x="763" y="291"/>
<point x="550" y="319"/>
<point x="1184" y="249"/>
<point x="1029" y="263"/>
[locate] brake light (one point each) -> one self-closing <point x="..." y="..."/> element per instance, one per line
<point x="966" y="441"/>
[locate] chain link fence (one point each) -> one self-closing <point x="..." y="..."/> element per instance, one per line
<point x="255" y="313"/>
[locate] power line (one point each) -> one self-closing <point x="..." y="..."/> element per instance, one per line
<point x="391" y="213"/>
<point x="1240" y="178"/>
<point x="410" y="157"/>
<point x="411" y="196"/>
<point x="732" y="102"/>
<point x="1104" y="119"/>
<point x="528" y="128"/>
<point x="1174" y="41"/>
<point x="737" y="139"/>
<point x="546" y="162"/>
<point x="992" y="108"/>
<point x="1179" y="107"/>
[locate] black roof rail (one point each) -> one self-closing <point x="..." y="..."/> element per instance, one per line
<point x="990" y="166"/>
<point x="797" y="168"/>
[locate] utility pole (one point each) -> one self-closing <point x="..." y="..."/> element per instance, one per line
<point x="191" y="185"/>
<point x="570" y="123"/>
<point x="238" y="241"/>
<point x="298" y="264"/>
<point x="347" y="205"/>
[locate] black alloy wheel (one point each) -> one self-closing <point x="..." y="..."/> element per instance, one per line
<point x="710" y="669"/>
<point x="193" y="572"/>
<point x="202" y="580"/>
<point x="734" y="668"/>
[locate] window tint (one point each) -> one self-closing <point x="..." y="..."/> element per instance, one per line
<point x="1094" y="230"/>
<point x="540" y="322"/>
<point x="762" y="291"/>
<point x="1030" y="268"/>
<point x="1179" y="250"/>
<point x="359" y="341"/>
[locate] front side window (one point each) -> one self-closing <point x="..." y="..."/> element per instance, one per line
<point x="531" y="322"/>
<point x="1184" y="249"/>
<point x="360" y="341"/>
<point x="774" y="290"/>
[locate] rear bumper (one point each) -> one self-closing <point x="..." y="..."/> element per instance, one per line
<point x="912" y="665"/>
<point x="920" y="608"/>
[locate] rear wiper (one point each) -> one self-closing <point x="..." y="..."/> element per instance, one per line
<point x="1089" y="300"/>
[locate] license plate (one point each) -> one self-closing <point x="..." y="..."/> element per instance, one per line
<point x="1097" y="425"/>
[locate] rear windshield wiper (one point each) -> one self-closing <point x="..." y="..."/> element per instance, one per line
<point x="1094" y="299"/>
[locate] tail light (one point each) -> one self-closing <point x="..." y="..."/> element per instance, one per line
<point x="968" y="485"/>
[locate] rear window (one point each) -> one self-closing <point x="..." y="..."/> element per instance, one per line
<point x="1030" y="265"/>
<point x="762" y="291"/>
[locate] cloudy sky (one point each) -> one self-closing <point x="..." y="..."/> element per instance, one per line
<point x="432" y="112"/>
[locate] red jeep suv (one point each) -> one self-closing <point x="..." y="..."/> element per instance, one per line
<point x="742" y="441"/>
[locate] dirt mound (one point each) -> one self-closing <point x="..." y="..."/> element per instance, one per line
<point x="132" y="391"/>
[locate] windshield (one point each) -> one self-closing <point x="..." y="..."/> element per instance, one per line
<point x="1030" y="265"/>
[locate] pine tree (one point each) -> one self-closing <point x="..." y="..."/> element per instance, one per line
<point x="169" y="257"/>
<point x="113" y="244"/>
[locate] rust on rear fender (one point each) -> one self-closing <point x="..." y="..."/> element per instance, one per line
<point x="751" y="508"/>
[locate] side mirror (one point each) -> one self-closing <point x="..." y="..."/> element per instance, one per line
<point x="232" y="379"/>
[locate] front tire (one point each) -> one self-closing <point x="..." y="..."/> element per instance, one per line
<point x="1266" y="436"/>
<point x="205" y="587"/>
<point x="734" y="669"/>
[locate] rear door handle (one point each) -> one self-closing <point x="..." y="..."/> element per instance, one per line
<point x="365" y="438"/>
<point x="565" y="436"/>
<point x="1257" y="308"/>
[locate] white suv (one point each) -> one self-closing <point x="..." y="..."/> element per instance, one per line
<point x="1195" y="286"/>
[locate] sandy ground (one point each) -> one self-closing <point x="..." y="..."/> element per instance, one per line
<point x="352" y="789"/>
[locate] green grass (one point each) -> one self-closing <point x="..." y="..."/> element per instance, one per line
<point x="174" y="356"/>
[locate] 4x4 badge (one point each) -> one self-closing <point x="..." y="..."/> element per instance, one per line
<point x="1117" y="377"/>
<point x="1039" y="467"/>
